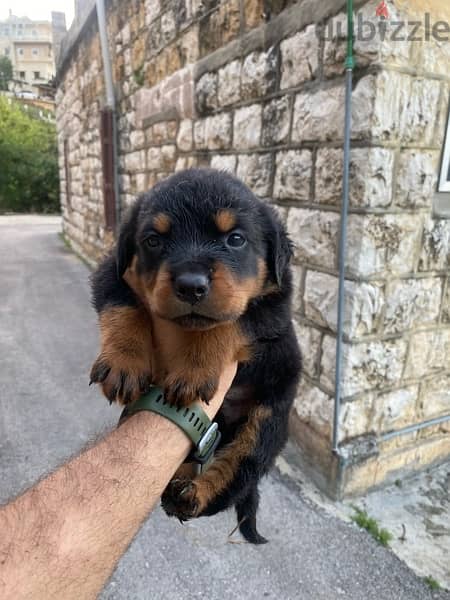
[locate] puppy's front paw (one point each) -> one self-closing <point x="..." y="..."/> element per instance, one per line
<point x="180" y="499"/>
<point x="118" y="384"/>
<point x="180" y="392"/>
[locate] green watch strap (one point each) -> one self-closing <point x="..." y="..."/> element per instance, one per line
<point x="192" y="420"/>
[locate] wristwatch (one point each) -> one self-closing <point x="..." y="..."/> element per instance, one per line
<point x="192" y="419"/>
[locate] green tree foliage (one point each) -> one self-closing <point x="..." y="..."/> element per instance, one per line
<point x="28" y="160"/>
<point x="6" y="72"/>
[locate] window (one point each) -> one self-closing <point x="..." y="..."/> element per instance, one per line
<point x="444" y="179"/>
<point x="22" y="74"/>
<point x="35" y="52"/>
<point x="20" y="51"/>
<point x="37" y="74"/>
<point x="7" y="51"/>
<point x="34" y="33"/>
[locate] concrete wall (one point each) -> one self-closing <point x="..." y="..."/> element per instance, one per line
<point x="260" y="93"/>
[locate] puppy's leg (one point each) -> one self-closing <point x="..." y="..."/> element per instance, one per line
<point x="232" y="476"/>
<point x="124" y="365"/>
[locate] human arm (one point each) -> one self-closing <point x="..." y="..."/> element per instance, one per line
<point x="63" y="537"/>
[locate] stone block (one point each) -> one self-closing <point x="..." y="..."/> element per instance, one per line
<point x="319" y="115"/>
<point x="161" y="158"/>
<point x="363" y="303"/>
<point x="435" y="253"/>
<point x="334" y="35"/>
<point x="369" y="48"/>
<point x="446" y="303"/>
<point x="293" y="175"/>
<point x="247" y="127"/>
<point x="329" y="171"/>
<point x="416" y="178"/>
<point x="371" y="172"/>
<point x="299" y="58"/>
<point x="355" y="417"/>
<point x="412" y="303"/>
<point x="255" y="170"/>
<point x="184" y="137"/>
<point x="363" y="103"/>
<point x="309" y="340"/>
<point x="435" y="57"/>
<point x="168" y="27"/>
<point x="135" y="161"/>
<point x="394" y="106"/>
<point x="383" y="244"/>
<point x="428" y="353"/>
<point x="200" y="134"/>
<point x="140" y="183"/>
<point x="206" y="93"/>
<point x="188" y="46"/>
<point x="218" y="131"/>
<point x="314" y="407"/>
<point x="297" y="270"/>
<point x="315" y="236"/>
<point x="137" y="139"/>
<point x="435" y="397"/>
<point x="254" y="13"/>
<point x="276" y="121"/>
<point x="396" y="409"/>
<point x="219" y="27"/>
<point x="366" y="366"/>
<point x="320" y="298"/>
<point x="259" y="73"/>
<point x="152" y="10"/>
<point x="229" y="85"/>
<point x="160" y="134"/>
<point x="224" y="162"/>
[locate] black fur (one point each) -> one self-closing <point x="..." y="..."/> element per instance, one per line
<point x="272" y="373"/>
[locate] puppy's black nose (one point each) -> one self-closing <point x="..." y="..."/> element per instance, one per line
<point x="191" y="287"/>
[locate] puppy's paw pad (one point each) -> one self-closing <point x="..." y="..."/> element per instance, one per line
<point x="180" y="499"/>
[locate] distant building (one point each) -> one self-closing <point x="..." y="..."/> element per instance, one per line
<point x="31" y="47"/>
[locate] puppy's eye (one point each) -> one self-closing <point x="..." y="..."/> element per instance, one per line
<point x="153" y="241"/>
<point x="236" y="240"/>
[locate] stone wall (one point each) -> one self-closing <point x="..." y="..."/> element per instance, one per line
<point x="261" y="93"/>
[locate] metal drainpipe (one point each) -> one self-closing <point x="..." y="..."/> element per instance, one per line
<point x="110" y="96"/>
<point x="349" y="65"/>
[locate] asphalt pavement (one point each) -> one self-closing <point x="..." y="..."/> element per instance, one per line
<point x="48" y="340"/>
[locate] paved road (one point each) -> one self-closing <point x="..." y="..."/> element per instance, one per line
<point x="48" y="340"/>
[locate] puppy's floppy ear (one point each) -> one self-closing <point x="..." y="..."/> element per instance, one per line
<point x="126" y="244"/>
<point x="279" y="246"/>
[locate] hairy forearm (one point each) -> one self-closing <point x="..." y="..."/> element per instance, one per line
<point x="63" y="537"/>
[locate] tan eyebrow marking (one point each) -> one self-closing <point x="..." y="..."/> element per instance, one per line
<point x="225" y="220"/>
<point x="161" y="222"/>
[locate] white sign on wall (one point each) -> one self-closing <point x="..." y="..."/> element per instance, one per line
<point x="444" y="180"/>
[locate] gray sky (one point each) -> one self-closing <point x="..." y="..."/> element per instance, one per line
<point x="37" y="9"/>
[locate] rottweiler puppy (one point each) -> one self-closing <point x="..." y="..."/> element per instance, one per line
<point x="200" y="277"/>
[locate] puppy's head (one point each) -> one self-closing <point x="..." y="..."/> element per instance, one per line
<point x="200" y="247"/>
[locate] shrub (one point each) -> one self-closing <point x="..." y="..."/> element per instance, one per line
<point x="28" y="160"/>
